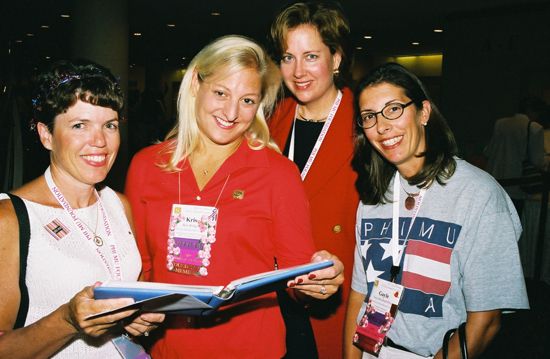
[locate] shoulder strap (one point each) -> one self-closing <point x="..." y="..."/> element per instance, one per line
<point x="24" y="238"/>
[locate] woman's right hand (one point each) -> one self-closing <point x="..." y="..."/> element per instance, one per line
<point x="83" y="304"/>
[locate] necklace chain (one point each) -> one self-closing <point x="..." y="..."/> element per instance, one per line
<point x="97" y="239"/>
<point x="303" y="118"/>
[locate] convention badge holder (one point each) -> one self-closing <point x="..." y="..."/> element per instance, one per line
<point x="128" y="349"/>
<point x="191" y="234"/>
<point x="379" y="315"/>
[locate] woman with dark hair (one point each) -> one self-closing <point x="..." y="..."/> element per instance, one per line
<point x="439" y="231"/>
<point x="314" y="128"/>
<point x="58" y="233"/>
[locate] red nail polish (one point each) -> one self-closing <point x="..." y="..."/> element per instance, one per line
<point x="300" y="280"/>
<point x="292" y="284"/>
<point x="312" y="276"/>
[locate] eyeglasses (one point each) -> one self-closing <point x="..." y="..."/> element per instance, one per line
<point x="391" y="111"/>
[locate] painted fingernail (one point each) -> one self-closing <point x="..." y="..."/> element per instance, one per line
<point x="300" y="280"/>
<point x="292" y="284"/>
<point x="312" y="276"/>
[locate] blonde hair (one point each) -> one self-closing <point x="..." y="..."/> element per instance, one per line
<point x="226" y="54"/>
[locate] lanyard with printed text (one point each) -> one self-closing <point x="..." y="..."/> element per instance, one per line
<point x="110" y="249"/>
<point x="320" y="139"/>
<point x="394" y="244"/>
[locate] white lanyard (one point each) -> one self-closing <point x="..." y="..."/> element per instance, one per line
<point x="320" y="139"/>
<point x="396" y="255"/>
<point x="111" y="249"/>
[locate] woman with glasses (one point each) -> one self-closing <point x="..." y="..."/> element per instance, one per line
<point x="437" y="231"/>
<point x="313" y="127"/>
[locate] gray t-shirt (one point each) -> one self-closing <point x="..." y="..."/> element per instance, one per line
<point x="461" y="255"/>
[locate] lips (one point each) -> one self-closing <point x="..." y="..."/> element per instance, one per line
<point x="95" y="160"/>
<point x="302" y="85"/>
<point x="391" y="142"/>
<point x="223" y="123"/>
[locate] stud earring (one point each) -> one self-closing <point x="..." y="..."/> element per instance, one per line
<point x="336" y="72"/>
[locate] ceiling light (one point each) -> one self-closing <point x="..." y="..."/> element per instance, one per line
<point x="19" y="41"/>
<point x="183" y="58"/>
<point x="137" y="33"/>
<point x="438" y="30"/>
<point x="415" y="43"/>
<point x="65" y="16"/>
<point x="215" y="13"/>
<point x="44" y="27"/>
<point x="359" y="48"/>
<point x="29" y="34"/>
<point x="368" y="37"/>
<point x="171" y="25"/>
<point x="47" y="57"/>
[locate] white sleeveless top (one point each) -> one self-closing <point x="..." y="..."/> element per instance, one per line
<point x="59" y="268"/>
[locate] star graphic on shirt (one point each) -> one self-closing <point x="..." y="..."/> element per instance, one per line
<point x="364" y="248"/>
<point x="387" y="250"/>
<point x="372" y="273"/>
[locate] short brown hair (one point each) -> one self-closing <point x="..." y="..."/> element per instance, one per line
<point x="328" y="18"/>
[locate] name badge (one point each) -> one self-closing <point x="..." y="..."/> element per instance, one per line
<point x="378" y="317"/>
<point x="191" y="234"/>
<point x="129" y="349"/>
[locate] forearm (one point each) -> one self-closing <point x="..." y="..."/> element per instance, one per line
<point x="40" y="339"/>
<point x="354" y="306"/>
<point x="481" y="328"/>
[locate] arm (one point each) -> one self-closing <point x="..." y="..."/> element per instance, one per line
<point x="49" y="334"/>
<point x="355" y="301"/>
<point x="481" y="328"/>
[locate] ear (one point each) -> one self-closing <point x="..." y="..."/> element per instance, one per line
<point x="45" y="135"/>
<point x="425" y="112"/>
<point x="336" y="60"/>
<point x="195" y="84"/>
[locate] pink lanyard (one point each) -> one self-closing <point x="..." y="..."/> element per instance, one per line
<point x="110" y="249"/>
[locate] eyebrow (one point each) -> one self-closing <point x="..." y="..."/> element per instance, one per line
<point x="386" y="104"/>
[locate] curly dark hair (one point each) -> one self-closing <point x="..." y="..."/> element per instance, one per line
<point x="65" y="82"/>
<point x="374" y="171"/>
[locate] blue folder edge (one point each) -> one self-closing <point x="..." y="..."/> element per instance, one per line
<point x="185" y="300"/>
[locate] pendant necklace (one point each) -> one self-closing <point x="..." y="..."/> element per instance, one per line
<point x="97" y="238"/>
<point x="410" y="201"/>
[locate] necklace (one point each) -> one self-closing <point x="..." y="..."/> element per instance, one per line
<point x="97" y="238"/>
<point x="301" y="117"/>
<point x="410" y="201"/>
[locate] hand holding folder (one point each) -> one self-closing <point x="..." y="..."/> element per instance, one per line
<point x="199" y="299"/>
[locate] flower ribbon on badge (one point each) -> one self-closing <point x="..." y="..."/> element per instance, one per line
<point x="191" y="234"/>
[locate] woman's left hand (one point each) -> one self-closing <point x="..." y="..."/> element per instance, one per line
<point x="144" y="323"/>
<point x="322" y="283"/>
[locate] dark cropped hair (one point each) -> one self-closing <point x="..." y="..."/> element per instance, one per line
<point x="374" y="171"/>
<point x="328" y="18"/>
<point x="65" y="82"/>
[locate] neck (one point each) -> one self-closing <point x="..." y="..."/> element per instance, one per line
<point x="319" y="109"/>
<point x="78" y="194"/>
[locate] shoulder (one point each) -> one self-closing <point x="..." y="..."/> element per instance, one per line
<point x="8" y="220"/>
<point x="153" y="153"/>
<point x="472" y="180"/>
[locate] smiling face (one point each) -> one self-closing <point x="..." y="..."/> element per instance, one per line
<point x="83" y="144"/>
<point x="307" y="66"/>
<point x="226" y="105"/>
<point x="399" y="140"/>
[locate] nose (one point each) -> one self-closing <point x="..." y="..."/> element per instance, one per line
<point x="98" y="138"/>
<point x="231" y="110"/>
<point x="299" y="69"/>
<point x="382" y="125"/>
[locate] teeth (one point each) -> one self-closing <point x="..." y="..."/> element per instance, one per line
<point x="95" y="158"/>
<point x="224" y="122"/>
<point x="392" y="141"/>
